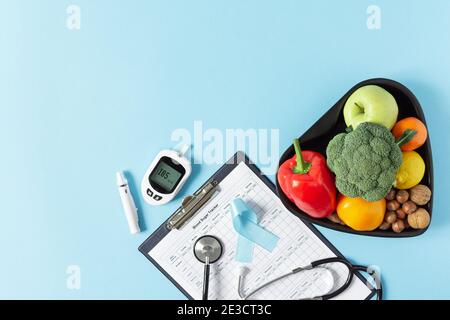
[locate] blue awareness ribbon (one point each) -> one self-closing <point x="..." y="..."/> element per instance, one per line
<point x="245" y="222"/>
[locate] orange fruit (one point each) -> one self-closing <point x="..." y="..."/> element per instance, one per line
<point x="413" y="124"/>
<point x="359" y="214"/>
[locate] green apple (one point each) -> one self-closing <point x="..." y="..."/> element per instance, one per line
<point x="371" y="104"/>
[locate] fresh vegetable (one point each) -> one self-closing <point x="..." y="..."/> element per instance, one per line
<point x="411" y="170"/>
<point x="359" y="214"/>
<point x="412" y="124"/>
<point x="365" y="161"/>
<point x="306" y="180"/>
<point x="371" y="104"/>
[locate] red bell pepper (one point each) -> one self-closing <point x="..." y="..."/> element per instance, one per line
<point x="306" y="180"/>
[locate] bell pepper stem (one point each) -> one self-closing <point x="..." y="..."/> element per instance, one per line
<point x="302" y="166"/>
<point x="406" y="137"/>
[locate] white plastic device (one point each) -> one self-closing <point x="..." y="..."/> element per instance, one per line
<point x="128" y="204"/>
<point x="165" y="176"/>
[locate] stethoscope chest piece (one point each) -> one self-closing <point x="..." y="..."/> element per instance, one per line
<point x="207" y="250"/>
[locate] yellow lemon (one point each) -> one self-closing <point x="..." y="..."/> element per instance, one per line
<point x="360" y="214"/>
<point x="411" y="171"/>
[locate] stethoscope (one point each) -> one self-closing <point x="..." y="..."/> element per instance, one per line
<point x="208" y="249"/>
<point x="327" y="279"/>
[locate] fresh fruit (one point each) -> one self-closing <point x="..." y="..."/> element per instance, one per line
<point x="411" y="170"/>
<point x="371" y="104"/>
<point x="359" y="214"/>
<point x="411" y="123"/>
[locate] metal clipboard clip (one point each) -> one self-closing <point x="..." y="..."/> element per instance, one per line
<point x="191" y="204"/>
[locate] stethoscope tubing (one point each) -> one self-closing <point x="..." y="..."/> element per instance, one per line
<point x="352" y="269"/>
<point x="349" y="279"/>
<point x="268" y="283"/>
<point x="206" y="271"/>
<point x="378" y="284"/>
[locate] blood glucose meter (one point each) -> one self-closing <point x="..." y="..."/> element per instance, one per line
<point x="165" y="176"/>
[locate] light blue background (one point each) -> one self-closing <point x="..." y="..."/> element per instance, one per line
<point x="76" y="106"/>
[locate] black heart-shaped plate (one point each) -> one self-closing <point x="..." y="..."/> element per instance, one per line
<point x="332" y="123"/>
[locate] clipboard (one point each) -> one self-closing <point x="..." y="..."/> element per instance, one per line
<point x="200" y="198"/>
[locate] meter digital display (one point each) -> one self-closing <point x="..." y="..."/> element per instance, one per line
<point x="166" y="175"/>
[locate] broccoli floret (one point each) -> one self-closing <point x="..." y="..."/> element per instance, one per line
<point x="365" y="161"/>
